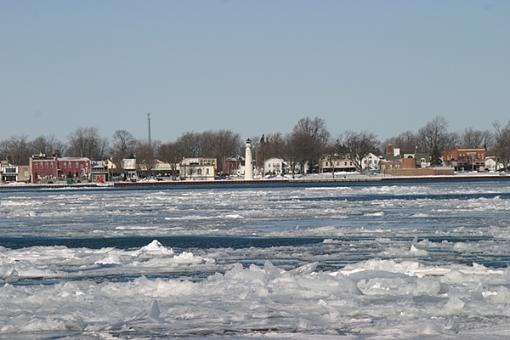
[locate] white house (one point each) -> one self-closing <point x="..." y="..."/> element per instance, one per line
<point x="8" y="172"/>
<point x="336" y="164"/>
<point x="164" y="169"/>
<point x="274" y="166"/>
<point x="370" y="162"/>
<point x="129" y="169"/>
<point x="198" y="169"/>
<point x="491" y="164"/>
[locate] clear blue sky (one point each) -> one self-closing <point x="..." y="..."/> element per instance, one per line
<point x="251" y="66"/>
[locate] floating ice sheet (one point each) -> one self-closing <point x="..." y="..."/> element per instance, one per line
<point x="380" y="262"/>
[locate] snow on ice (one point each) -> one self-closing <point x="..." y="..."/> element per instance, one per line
<point x="407" y="261"/>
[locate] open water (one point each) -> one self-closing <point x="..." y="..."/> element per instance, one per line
<point x="352" y="261"/>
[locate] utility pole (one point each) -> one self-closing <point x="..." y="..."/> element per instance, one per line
<point x="149" y="129"/>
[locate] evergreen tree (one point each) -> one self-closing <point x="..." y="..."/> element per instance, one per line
<point x="435" y="155"/>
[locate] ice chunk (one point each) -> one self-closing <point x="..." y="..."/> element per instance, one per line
<point x="427" y="286"/>
<point x="155" y="248"/>
<point x="497" y="295"/>
<point x="8" y="274"/>
<point x="187" y="258"/>
<point x="155" y="312"/>
<point x="233" y="216"/>
<point x="386" y="286"/>
<point x="453" y="305"/>
<point x="417" y="252"/>
<point x="374" y="214"/>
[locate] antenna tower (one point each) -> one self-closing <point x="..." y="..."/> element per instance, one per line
<point x="149" y="129"/>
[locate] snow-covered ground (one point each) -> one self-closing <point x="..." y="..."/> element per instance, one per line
<point x="370" y="261"/>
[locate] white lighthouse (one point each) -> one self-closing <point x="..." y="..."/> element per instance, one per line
<point x="248" y="167"/>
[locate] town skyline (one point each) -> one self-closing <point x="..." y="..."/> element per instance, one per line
<point x="309" y="141"/>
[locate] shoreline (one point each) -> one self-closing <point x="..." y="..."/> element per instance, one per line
<point x="297" y="182"/>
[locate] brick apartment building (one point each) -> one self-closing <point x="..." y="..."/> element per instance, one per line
<point x="466" y="159"/>
<point x="50" y="169"/>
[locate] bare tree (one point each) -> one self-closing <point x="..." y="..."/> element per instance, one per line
<point x="407" y="142"/>
<point x="309" y="138"/>
<point x="358" y="145"/>
<point x="171" y="153"/>
<point x="123" y="145"/>
<point x="219" y="144"/>
<point x="16" y="150"/>
<point x="332" y="151"/>
<point x="268" y="146"/>
<point x="190" y="144"/>
<point x="48" y="145"/>
<point x="225" y="143"/>
<point x="145" y="153"/>
<point x="502" y="143"/>
<point x="434" y="138"/>
<point x="472" y="138"/>
<point x="86" y="142"/>
<point x="289" y="153"/>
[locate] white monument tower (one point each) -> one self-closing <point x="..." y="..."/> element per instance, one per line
<point x="248" y="167"/>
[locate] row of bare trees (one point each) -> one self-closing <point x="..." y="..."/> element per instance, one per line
<point x="435" y="137"/>
<point x="87" y="142"/>
<point x="311" y="140"/>
<point x="308" y="141"/>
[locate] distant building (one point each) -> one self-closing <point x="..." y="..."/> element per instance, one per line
<point x="491" y="164"/>
<point x="407" y="167"/>
<point x="466" y="159"/>
<point x="76" y="168"/>
<point x="198" y="169"/>
<point x="50" y="169"/>
<point x="231" y="166"/>
<point x="164" y="169"/>
<point x="129" y="170"/>
<point x="44" y="169"/>
<point x="275" y="166"/>
<point x="422" y="159"/>
<point x="99" y="173"/>
<point x="336" y="164"/>
<point x="23" y="173"/>
<point x="394" y="152"/>
<point x="370" y="162"/>
<point x="8" y="172"/>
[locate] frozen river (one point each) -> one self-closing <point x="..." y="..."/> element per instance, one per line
<point x="408" y="260"/>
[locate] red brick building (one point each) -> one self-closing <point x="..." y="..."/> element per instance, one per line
<point x="466" y="159"/>
<point x="50" y="169"/>
<point x="231" y="166"/>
